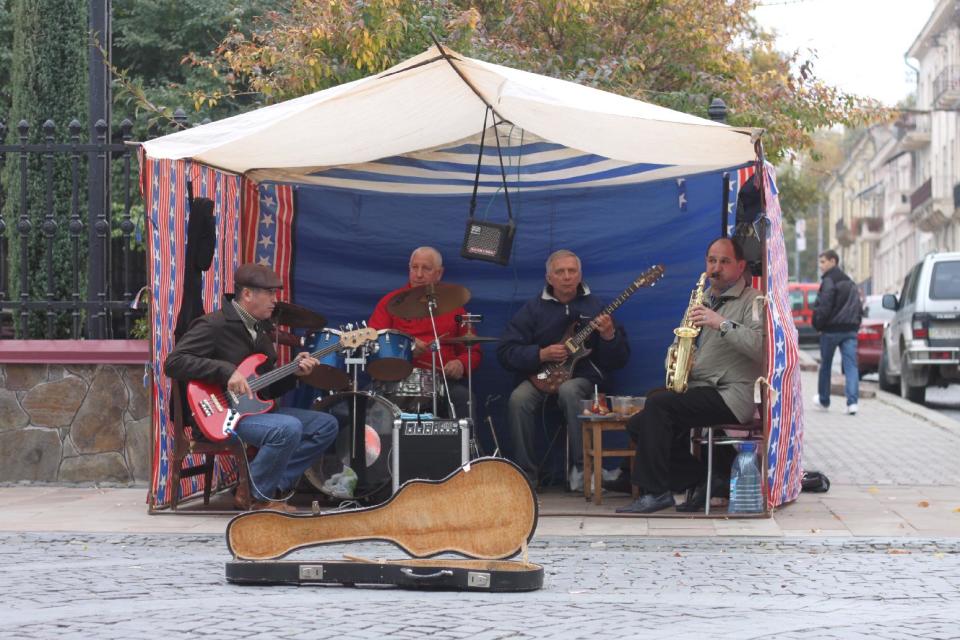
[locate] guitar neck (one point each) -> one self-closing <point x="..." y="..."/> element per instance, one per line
<point x="584" y="334"/>
<point x="267" y="379"/>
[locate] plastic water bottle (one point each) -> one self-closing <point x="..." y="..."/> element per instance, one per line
<point x="745" y="493"/>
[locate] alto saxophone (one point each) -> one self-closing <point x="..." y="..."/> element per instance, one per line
<point x="680" y="356"/>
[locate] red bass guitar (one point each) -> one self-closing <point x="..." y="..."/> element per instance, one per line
<point x="217" y="411"/>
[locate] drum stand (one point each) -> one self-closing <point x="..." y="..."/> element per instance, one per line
<point x="436" y="355"/>
<point x="357" y="415"/>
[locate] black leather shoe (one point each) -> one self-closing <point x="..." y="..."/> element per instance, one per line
<point x="620" y="485"/>
<point x="697" y="497"/>
<point x="649" y="503"/>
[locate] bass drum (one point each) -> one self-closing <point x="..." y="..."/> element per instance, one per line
<point x="328" y="474"/>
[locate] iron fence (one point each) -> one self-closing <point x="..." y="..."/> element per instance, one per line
<point x="106" y="256"/>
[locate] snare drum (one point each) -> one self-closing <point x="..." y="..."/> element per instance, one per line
<point x="392" y="359"/>
<point x="415" y="392"/>
<point x="419" y="384"/>
<point x="331" y="373"/>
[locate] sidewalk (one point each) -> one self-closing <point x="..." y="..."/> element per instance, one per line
<point x="893" y="469"/>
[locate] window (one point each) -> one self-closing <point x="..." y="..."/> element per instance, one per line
<point x="914" y="281"/>
<point x="812" y="298"/>
<point x="796" y="300"/>
<point x="945" y="281"/>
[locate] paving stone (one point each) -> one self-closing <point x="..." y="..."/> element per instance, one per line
<point x="148" y="586"/>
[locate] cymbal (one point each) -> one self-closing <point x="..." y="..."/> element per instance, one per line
<point x="293" y="315"/>
<point x="412" y="303"/>
<point x="468" y="340"/>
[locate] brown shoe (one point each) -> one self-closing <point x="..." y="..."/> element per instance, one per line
<point x="273" y="505"/>
<point x="242" y="499"/>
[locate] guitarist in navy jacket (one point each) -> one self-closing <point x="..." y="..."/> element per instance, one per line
<point x="534" y="339"/>
<point x="288" y="439"/>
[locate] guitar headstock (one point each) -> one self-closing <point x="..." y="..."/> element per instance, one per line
<point x="649" y="276"/>
<point x="355" y="338"/>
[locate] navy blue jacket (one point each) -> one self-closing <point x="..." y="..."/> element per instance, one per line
<point x="838" y="308"/>
<point x="543" y="320"/>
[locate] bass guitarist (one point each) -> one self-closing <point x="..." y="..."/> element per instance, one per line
<point x="288" y="438"/>
<point x="536" y="336"/>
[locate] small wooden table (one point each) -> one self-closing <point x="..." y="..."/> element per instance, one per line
<point x="593" y="428"/>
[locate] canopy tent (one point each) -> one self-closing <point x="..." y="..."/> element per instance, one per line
<point x="334" y="189"/>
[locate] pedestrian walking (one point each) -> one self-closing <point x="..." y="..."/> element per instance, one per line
<point x="837" y="317"/>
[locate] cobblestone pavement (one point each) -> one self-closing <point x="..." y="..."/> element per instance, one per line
<point x="884" y="444"/>
<point x="150" y="586"/>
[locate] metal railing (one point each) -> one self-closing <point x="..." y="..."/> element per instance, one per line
<point x="107" y="268"/>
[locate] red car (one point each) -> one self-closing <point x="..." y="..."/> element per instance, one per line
<point x="803" y="297"/>
<point x="870" y="335"/>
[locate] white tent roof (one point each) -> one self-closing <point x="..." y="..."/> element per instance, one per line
<point x="423" y="104"/>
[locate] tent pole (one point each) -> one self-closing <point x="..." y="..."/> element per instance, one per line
<point x="447" y="57"/>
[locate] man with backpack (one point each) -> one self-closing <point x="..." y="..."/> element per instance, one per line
<point x="837" y="317"/>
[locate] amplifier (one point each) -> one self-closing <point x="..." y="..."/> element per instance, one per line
<point x="488" y="241"/>
<point x="428" y="449"/>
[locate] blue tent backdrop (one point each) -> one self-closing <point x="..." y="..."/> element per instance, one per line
<point x="351" y="247"/>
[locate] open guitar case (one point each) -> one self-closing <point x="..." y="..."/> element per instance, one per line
<point x="486" y="512"/>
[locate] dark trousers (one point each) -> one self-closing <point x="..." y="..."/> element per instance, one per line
<point x="661" y="431"/>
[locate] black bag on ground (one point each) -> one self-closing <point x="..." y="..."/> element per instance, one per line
<point x="815" y="482"/>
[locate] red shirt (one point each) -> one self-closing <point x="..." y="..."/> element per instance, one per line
<point x="420" y="328"/>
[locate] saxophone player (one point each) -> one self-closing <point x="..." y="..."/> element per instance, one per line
<point x="725" y="364"/>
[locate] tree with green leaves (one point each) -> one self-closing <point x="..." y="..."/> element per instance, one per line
<point x="676" y="53"/>
<point x="48" y="81"/>
<point x="152" y="42"/>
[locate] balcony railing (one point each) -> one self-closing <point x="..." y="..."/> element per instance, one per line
<point x="921" y="195"/>
<point x="870" y="228"/>
<point x="914" y="130"/>
<point x="946" y="87"/>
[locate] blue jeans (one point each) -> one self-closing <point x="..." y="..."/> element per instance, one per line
<point x="847" y="341"/>
<point x="288" y="440"/>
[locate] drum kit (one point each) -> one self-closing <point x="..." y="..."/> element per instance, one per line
<point x="397" y="385"/>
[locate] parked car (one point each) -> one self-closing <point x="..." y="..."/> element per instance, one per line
<point x="921" y="346"/>
<point x="870" y="335"/>
<point x="803" y="296"/>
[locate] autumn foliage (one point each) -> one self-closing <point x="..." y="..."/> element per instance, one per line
<point x="676" y="53"/>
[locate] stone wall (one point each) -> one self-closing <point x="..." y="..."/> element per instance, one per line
<point x="74" y="424"/>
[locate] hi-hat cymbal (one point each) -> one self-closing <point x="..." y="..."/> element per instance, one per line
<point x="468" y="340"/>
<point x="292" y="315"/>
<point x="413" y="303"/>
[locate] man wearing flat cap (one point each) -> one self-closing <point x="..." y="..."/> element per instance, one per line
<point x="288" y="439"/>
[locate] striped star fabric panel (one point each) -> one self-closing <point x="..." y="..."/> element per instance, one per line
<point x="785" y="406"/>
<point x="164" y="187"/>
<point x="267" y="224"/>
<point x="165" y="192"/>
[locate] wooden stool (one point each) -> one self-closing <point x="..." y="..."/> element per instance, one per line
<point x="593" y="429"/>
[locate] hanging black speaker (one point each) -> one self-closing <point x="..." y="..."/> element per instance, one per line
<point x="488" y="241"/>
<point x="484" y="240"/>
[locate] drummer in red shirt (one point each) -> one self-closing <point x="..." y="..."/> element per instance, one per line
<point x="426" y="267"/>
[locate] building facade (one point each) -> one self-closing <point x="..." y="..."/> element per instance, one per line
<point x="897" y="195"/>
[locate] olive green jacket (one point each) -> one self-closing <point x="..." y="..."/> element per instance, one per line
<point x="732" y="362"/>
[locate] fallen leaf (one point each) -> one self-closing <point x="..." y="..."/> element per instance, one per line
<point x="677" y="554"/>
<point x="898" y="552"/>
<point x="814" y="530"/>
<point x="923" y="503"/>
<point x="957" y="510"/>
<point x="873" y="490"/>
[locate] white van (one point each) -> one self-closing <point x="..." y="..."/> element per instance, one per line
<point x="921" y="345"/>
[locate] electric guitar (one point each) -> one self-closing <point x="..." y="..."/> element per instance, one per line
<point x="553" y="374"/>
<point x="216" y="411"/>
